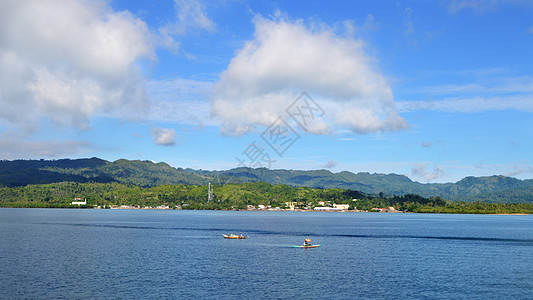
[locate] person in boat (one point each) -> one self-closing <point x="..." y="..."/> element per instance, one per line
<point x="307" y="242"/>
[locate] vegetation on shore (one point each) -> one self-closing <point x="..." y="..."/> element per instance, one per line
<point x="147" y="174"/>
<point x="235" y="196"/>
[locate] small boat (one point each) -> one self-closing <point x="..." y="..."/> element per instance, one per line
<point x="234" y="236"/>
<point x="306" y="246"/>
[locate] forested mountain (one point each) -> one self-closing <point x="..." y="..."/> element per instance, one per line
<point x="134" y="172"/>
<point x="149" y="174"/>
<point x="24" y="172"/>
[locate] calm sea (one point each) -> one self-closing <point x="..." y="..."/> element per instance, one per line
<point x="134" y="254"/>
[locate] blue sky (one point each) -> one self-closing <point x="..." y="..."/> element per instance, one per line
<point x="435" y="90"/>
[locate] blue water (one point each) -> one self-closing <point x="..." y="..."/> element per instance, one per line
<point x="134" y="254"/>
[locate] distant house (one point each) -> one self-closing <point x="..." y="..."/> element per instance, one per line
<point x="291" y="205"/>
<point x="341" y="206"/>
<point x="77" y="201"/>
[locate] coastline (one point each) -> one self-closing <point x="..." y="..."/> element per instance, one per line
<point x="278" y="210"/>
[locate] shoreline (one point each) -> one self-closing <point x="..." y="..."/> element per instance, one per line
<point x="280" y="210"/>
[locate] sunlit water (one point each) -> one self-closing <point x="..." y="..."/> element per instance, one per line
<point x="134" y="254"/>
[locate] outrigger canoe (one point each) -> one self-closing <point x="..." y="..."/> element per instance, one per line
<point x="234" y="236"/>
<point x="306" y="246"/>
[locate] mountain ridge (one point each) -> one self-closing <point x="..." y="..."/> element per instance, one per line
<point x="145" y="173"/>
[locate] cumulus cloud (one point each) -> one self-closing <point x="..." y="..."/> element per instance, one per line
<point x="286" y="58"/>
<point x="67" y="60"/>
<point x="421" y="171"/>
<point x="163" y="136"/>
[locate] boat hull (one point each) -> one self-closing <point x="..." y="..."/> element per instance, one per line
<point x="235" y="237"/>
<point x="306" y="246"/>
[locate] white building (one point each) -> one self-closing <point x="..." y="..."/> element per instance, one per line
<point x="341" y="206"/>
<point x="77" y="201"/>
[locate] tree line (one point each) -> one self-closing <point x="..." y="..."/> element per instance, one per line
<point x="235" y="196"/>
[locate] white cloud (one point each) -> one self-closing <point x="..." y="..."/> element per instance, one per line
<point x="470" y="105"/>
<point x="180" y="100"/>
<point x="14" y="148"/>
<point x="163" y="136"/>
<point x="67" y="60"/>
<point x="479" y="6"/>
<point x="519" y="170"/>
<point x="409" y="28"/>
<point x="487" y="84"/>
<point x="420" y="171"/>
<point x="370" y="23"/>
<point x="191" y="15"/>
<point x="286" y="58"/>
<point x="482" y="90"/>
<point x="351" y="28"/>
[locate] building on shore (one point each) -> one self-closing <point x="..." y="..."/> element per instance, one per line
<point x="77" y="201"/>
<point x="291" y="205"/>
<point x="341" y="206"/>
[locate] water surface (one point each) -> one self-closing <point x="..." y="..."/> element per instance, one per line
<point x="134" y="254"/>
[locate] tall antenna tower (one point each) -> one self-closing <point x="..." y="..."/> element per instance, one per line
<point x="209" y="192"/>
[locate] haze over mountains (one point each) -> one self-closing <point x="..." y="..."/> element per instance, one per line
<point x="147" y="174"/>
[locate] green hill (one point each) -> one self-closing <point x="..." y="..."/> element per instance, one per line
<point x="149" y="174"/>
<point x="135" y="172"/>
<point x="24" y="172"/>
